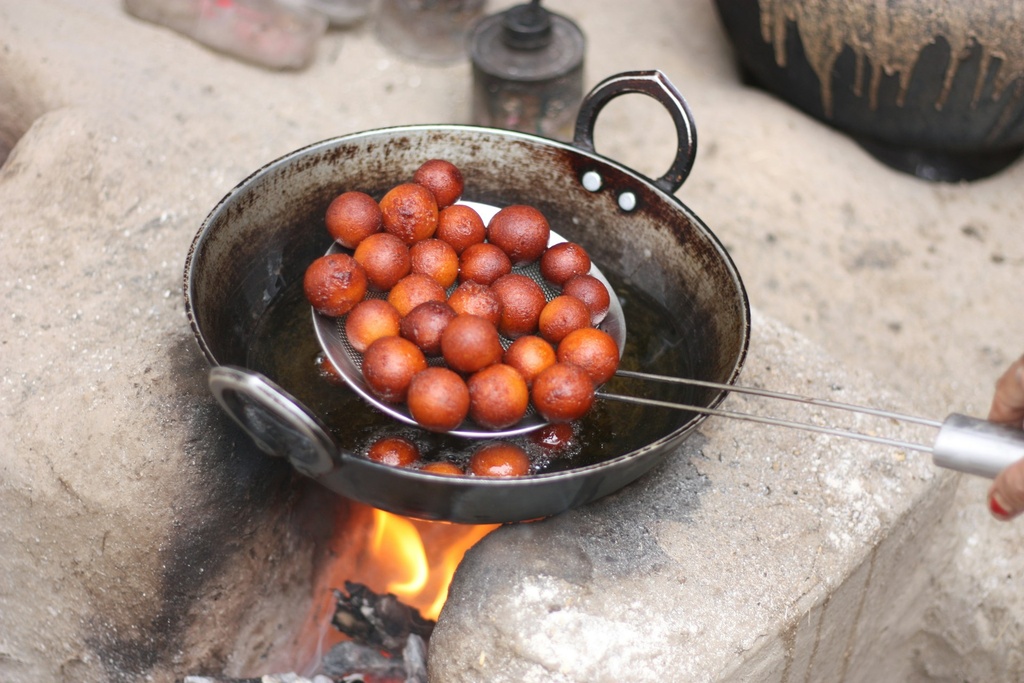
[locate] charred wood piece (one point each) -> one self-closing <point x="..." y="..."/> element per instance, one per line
<point x="381" y="621"/>
<point x="351" y="662"/>
<point x="269" y="678"/>
<point x="348" y="660"/>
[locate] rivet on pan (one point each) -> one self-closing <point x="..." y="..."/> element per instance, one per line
<point x="592" y="181"/>
<point x="627" y="201"/>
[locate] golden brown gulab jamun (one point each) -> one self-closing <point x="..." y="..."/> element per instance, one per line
<point x="520" y="231"/>
<point x="385" y="258"/>
<point x="562" y="261"/>
<point x="352" y="217"/>
<point x="501" y="459"/>
<point x="483" y="263"/>
<point x="562" y="315"/>
<point x="476" y="299"/>
<point x="326" y="369"/>
<point x="563" y="393"/>
<point x="593" y="350"/>
<point x="441" y="467"/>
<point x="498" y="396"/>
<point x="438" y="399"/>
<point x="413" y="290"/>
<point x="461" y="227"/>
<point x="590" y="291"/>
<point x="425" y="323"/>
<point x="409" y="212"/>
<point x="389" y="365"/>
<point x="370" y="320"/>
<point x="437" y="259"/>
<point x="334" y="284"/>
<point x="442" y="178"/>
<point x="554" y="438"/>
<point x="530" y="355"/>
<point x="470" y="343"/>
<point x="393" y="450"/>
<point x="522" y="300"/>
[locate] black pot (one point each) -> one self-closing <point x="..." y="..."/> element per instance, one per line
<point x="253" y="248"/>
<point x="927" y="91"/>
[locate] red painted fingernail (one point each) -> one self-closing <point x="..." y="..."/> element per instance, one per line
<point x="996" y="508"/>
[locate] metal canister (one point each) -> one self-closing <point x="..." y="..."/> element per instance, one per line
<point x="527" y="71"/>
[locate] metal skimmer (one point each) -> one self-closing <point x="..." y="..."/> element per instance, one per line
<point x="963" y="443"/>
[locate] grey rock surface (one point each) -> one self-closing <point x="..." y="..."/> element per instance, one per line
<point x="752" y="553"/>
<point x="135" y="515"/>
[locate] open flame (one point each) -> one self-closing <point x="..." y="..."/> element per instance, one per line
<point x="413" y="559"/>
<point x="417" y="559"/>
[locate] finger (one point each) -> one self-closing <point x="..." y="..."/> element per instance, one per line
<point x="1008" y="402"/>
<point x="1006" y="495"/>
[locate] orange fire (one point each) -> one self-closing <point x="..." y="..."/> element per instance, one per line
<point x="416" y="560"/>
<point x="411" y="558"/>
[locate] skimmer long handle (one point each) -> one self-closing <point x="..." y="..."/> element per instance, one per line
<point x="966" y="444"/>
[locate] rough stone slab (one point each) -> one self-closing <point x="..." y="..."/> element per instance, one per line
<point x="753" y="553"/>
<point x="125" y="493"/>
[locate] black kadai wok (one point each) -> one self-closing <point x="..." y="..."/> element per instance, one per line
<point x="684" y="304"/>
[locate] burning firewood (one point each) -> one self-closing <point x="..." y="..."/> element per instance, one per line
<point x="269" y="678"/>
<point x="388" y="643"/>
<point x="388" y="638"/>
<point x="377" y="620"/>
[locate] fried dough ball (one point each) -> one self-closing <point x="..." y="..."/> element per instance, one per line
<point x="442" y="178"/>
<point x="590" y="291"/>
<point x="498" y="396"/>
<point x="394" y="451"/>
<point x="370" y="320"/>
<point x="562" y="315"/>
<point x="334" y="284"/>
<point x="438" y="399"/>
<point x="409" y="212"/>
<point x="352" y="217"/>
<point x="437" y="259"/>
<point x="522" y="300"/>
<point x="483" y="263"/>
<point x="470" y="343"/>
<point x="461" y="227"/>
<point x="425" y="323"/>
<point x="326" y="369"/>
<point x="389" y="365"/>
<point x="530" y="355"/>
<point x="476" y="299"/>
<point x="501" y="459"/>
<point x="563" y="393"/>
<point x="385" y="258"/>
<point x="554" y="438"/>
<point x="562" y="261"/>
<point x="593" y="350"/>
<point x="413" y="290"/>
<point x="521" y="231"/>
<point x="441" y="467"/>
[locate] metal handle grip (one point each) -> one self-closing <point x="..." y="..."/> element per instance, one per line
<point x="974" y="446"/>
<point x="654" y="84"/>
<point x="275" y="420"/>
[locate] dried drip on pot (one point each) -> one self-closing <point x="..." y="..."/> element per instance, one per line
<point x="892" y="40"/>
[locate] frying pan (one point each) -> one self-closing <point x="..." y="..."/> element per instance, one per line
<point x="684" y="301"/>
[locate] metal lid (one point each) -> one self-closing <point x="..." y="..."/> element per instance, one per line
<point x="526" y="27"/>
<point x="527" y="43"/>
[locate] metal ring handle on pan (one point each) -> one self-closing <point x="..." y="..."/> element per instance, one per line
<point x="278" y="423"/>
<point x="654" y="84"/>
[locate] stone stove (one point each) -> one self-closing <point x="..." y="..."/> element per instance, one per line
<point x="140" y="524"/>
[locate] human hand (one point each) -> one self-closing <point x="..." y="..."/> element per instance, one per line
<point x="1006" y="495"/>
